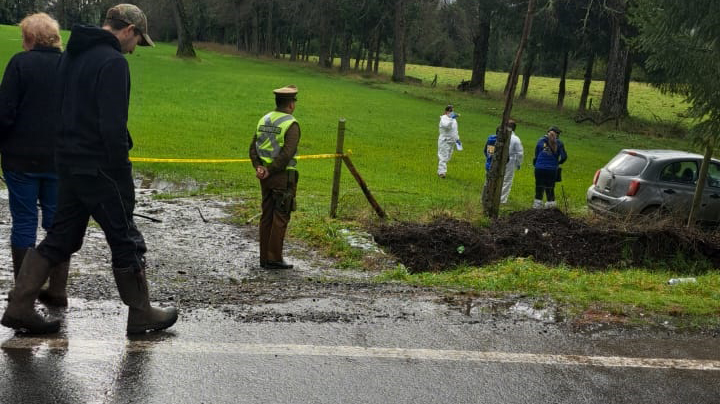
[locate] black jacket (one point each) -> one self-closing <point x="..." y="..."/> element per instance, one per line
<point x="30" y="111"/>
<point x="96" y="97"/>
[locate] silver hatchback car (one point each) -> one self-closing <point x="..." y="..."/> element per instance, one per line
<point x="654" y="182"/>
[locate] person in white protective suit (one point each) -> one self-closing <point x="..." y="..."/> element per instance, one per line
<point x="515" y="160"/>
<point x="447" y="140"/>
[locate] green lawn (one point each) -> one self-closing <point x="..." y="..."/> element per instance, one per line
<point x="208" y="108"/>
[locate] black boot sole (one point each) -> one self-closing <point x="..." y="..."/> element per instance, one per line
<point x="48" y="327"/>
<point x="277" y="265"/>
<point x="159" y="326"/>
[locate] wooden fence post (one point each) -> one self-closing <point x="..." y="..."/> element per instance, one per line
<point x="338" y="167"/>
<point x="380" y="212"/>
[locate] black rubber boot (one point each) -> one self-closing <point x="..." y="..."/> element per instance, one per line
<point x="277" y="265"/>
<point x="56" y="295"/>
<point x="142" y="317"/>
<point x="17" y="258"/>
<point x="20" y="313"/>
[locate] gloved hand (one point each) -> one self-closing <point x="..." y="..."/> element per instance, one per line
<point x="453" y="115"/>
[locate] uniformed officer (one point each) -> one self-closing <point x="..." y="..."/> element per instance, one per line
<point x="272" y="153"/>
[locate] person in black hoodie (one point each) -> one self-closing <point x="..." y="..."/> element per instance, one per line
<point x="95" y="174"/>
<point x="29" y="127"/>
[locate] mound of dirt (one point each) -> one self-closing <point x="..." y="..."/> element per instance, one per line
<point x="548" y="236"/>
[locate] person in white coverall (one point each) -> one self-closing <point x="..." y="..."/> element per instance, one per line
<point x="446" y="141"/>
<point x="514" y="162"/>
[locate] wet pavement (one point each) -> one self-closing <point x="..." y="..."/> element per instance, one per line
<point x="319" y="334"/>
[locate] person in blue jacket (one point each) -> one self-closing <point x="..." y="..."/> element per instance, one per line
<point x="549" y="154"/>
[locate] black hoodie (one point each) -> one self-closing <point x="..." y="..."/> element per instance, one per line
<point x="96" y="97"/>
<point x="30" y="111"/>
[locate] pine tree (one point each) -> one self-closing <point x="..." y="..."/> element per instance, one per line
<point x="682" y="41"/>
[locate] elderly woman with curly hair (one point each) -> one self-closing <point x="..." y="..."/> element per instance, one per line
<point x="29" y="127"/>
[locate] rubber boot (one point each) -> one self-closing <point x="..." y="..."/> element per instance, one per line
<point x="17" y="258"/>
<point x="133" y="288"/>
<point x="20" y="313"/>
<point x="56" y="295"/>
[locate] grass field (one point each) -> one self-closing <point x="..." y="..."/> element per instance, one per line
<point x="208" y="108"/>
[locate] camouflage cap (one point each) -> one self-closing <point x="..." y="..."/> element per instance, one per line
<point x="131" y="15"/>
<point x="289" y="91"/>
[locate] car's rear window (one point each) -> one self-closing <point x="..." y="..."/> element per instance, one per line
<point x="627" y="164"/>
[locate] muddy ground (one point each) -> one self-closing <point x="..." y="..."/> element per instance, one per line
<point x="551" y="237"/>
<point x="198" y="260"/>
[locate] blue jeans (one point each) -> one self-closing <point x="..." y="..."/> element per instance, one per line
<point x="25" y="190"/>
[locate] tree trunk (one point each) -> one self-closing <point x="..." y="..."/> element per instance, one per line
<point x="326" y="39"/>
<point x="527" y="72"/>
<point x="376" y="65"/>
<point x="626" y="83"/>
<point x="255" y="28"/>
<point x="586" y="84"/>
<point x="614" y="98"/>
<point x="372" y="46"/>
<point x="324" y="50"/>
<point x="60" y="13"/>
<point x="269" y="30"/>
<point x="480" y="51"/>
<point x="238" y="39"/>
<point x="561" y="89"/>
<point x="293" y="46"/>
<point x="399" y="42"/>
<point x="700" y="187"/>
<point x="347" y="46"/>
<point x="331" y="59"/>
<point x="493" y="186"/>
<point x="359" y="55"/>
<point x="303" y="50"/>
<point x="185" y="46"/>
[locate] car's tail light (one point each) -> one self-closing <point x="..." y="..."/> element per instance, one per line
<point x="633" y="188"/>
<point x="597" y="175"/>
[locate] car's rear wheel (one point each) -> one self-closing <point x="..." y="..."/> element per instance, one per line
<point x="652" y="212"/>
<point x="658" y="215"/>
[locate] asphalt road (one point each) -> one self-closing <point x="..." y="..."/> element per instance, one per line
<point x="436" y="356"/>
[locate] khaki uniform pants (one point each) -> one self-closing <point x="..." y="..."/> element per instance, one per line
<point x="278" y="201"/>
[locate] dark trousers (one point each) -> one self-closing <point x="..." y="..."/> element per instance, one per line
<point x="278" y="201"/>
<point x="108" y="196"/>
<point x="545" y="183"/>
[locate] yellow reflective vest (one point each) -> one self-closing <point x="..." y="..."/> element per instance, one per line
<point x="270" y="137"/>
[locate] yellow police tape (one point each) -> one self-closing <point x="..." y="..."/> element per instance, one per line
<point x="153" y="160"/>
